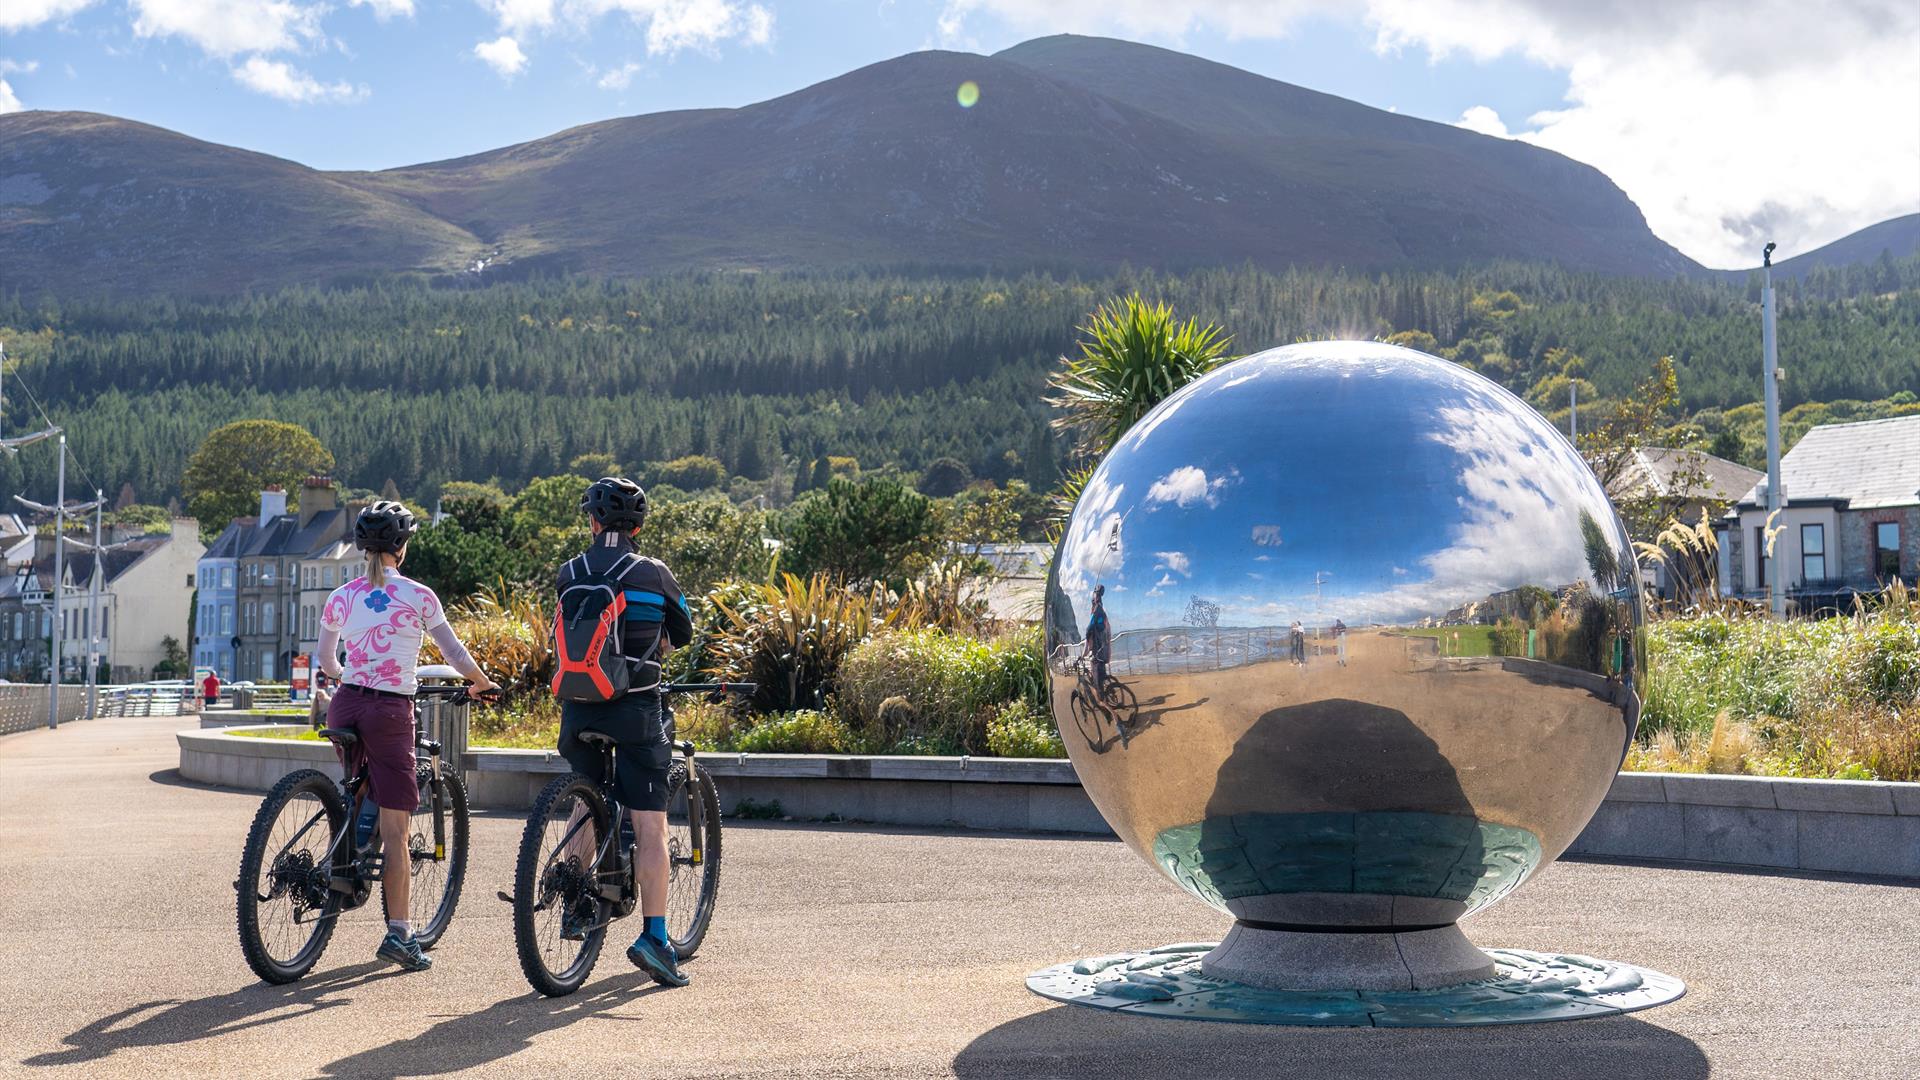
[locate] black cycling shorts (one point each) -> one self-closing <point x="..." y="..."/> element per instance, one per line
<point x="642" y="729"/>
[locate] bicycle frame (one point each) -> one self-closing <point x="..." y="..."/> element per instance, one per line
<point x="624" y="888"/>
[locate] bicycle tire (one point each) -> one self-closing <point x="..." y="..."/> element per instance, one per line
<point x="687" y="934"/>
<point x="247" y="914"/>
<point x="429" y="931"/>
<point x="1119" y="697"/>
<point x="1086" y="717"/>
<point x="528" y="870"/>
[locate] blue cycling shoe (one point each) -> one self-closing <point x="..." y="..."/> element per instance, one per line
<point x="403" y="951"/>
<point x="657" y="959"/>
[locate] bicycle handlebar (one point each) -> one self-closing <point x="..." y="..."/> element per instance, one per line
<point x="711" y="688"/>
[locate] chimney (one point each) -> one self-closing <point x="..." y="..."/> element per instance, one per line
<point x="186" y="531"/>
<point x="273" y="504"/>
<point x="316" y="497"/>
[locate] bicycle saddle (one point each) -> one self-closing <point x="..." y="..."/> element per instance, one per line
<point x="596" y="738"/>
<point x="342" y="736"/>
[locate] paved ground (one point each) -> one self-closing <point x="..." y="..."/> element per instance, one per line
<point x="841" y="951"/>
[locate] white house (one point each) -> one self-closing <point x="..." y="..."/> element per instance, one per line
<point x="1850" y="521"/>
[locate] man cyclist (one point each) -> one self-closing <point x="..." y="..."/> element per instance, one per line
<point x="1099" y="639"/>
<point x="656" y="622"/>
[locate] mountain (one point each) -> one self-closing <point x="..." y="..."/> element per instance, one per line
<point x="95" y="204"/>
<point x="1898" y="237"/>
<point x="1081" y="154"/>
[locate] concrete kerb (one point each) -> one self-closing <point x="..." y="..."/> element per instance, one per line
<point x="1849" y="826"/>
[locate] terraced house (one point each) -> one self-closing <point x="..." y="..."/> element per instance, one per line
<point x="269" y="575"/>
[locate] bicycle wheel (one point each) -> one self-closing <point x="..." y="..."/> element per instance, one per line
<point x="692" y="884"/>
<point x="1087" y="717"/>
<point x="554" y="885"/>
<point x="287" y="909"/>
<point x="437" y="869"/>
<point x="1120" y="699"/>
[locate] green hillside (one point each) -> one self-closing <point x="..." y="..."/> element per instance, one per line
<point x="424" y="385"/>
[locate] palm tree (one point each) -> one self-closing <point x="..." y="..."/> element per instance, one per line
<point x="1133" y="355"/>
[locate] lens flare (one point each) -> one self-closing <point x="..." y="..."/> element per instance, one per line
<point x="968" y="94"/>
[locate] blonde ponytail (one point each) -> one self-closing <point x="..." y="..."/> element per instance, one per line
<point x="376" y="569"/>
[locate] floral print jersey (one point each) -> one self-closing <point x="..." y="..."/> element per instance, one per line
<point x="381" y="629"/>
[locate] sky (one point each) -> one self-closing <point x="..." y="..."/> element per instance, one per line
<point x="1729" y="122"/>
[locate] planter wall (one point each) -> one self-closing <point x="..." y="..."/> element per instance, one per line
<point x="1846" y="826"/>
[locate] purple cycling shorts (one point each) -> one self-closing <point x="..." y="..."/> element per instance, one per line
<point x="385" y="724"/>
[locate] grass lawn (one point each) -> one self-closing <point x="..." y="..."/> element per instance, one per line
<point x="1471" y="640"/>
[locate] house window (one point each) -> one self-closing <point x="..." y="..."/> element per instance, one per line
<point x="267" y="623"/>
<point x="103" y="623"/>
<point x="1886" y="550"/>
<point x="226" y="577"/>
<point x="226" y="619"/>
<point x="326" y="577"/>
<point x="189" y="581"/>
<point x="1813" y="553"/>
<point x="266" y="667"/>
<point x="1760" y="557"/>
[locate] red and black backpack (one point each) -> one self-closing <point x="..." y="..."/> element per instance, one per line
<point x="587" y="640"/>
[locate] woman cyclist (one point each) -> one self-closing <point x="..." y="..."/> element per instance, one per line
<point x="379" y="620"/>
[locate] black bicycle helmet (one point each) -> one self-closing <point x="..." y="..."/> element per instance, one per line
<point x="384" y="526"/>
<point x="615" y="502"/>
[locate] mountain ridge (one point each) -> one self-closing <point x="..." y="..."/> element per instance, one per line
<point x="1081" y="153"/>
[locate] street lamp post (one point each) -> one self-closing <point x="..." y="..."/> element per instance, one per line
<point x="1776" y="588"/>
<point x="12" y="446"/>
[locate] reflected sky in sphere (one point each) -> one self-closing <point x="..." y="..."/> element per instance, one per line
<point x="1345" y="480"/>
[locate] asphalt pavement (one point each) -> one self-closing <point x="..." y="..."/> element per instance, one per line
<point x="849" y="951"/>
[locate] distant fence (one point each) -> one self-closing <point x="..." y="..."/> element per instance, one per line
<point x="23" y="706"/>
<point x="143" y="700"/>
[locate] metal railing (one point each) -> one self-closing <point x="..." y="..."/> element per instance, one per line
<point x="23" y="706"/>
<point x="145" y="700"/>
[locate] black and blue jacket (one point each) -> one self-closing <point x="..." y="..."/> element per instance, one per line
<point x="655" y="606"/>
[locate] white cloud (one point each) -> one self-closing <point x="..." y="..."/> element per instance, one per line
<point x="1186" y="486"/>
<point x="1175" y="561"/>
<point x="227" y="27"/>
<point x="1728" y="121"/>
<point x="1484" y="120"/>
<point x="22" y="14"/>
<point x="277" y="78"/>
<point x="618" y="78"/>
<point x="1093" y="550"/>
<point x="670" y="25"/>
<point x="18" y="67"/>
<point x="503" y="55"/>
<point x="386" y="9"/>
<point x="9" y="102"/>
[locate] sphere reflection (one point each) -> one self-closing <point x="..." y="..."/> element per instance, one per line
<point x="1343" y="634"/>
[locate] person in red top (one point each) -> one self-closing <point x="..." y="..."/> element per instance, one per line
<point x="210" y="688"/>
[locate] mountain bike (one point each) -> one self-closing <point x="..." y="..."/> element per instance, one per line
<point x="304" y="866"/>
<point x="1093" y="707"/>
<point x="575" y="873"/>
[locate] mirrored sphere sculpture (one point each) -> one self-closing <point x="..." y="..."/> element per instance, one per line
<point x="1345" y="638"/>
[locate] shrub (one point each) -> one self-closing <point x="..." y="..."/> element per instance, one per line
<point x="709" y="726"/>
<point x="790" y="638"/>
<point x="874" y="529"/>
<point x="1020" y="730"/>
<point x="695" y="472"/>
<point x="809" y="731"/>
<point x="935" y="690"/>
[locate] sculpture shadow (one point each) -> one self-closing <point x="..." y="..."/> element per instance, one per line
<point x="1071" y="1040"/>
<point x="170" y="1022"/>
<point x="1334" y="796"/>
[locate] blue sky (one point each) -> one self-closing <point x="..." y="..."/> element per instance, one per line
<point x="1627" y="86"/>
